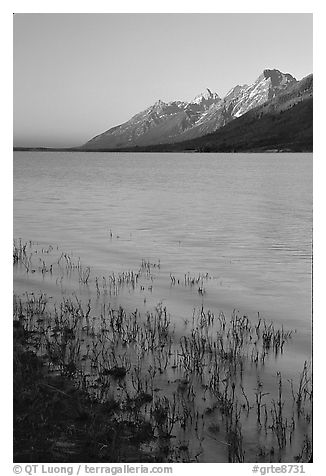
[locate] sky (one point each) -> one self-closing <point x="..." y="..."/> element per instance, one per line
<point x="77" y="75"/>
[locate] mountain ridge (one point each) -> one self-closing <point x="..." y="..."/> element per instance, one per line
<point x="283" y="123"/>
<point x="177" y="121"/>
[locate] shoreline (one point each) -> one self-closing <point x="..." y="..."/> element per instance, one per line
<point x="124" y="151"/>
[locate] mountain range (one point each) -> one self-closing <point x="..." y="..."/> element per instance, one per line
<point x="274" y="112"/>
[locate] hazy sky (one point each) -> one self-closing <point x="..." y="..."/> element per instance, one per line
<point x="77" y="75"/>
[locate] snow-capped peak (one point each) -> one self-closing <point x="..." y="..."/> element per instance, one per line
<point x="159" y="103"/>
<point x="158" y="106"/>
<point x="207" y="95"/>
<point x="277" y="78"/>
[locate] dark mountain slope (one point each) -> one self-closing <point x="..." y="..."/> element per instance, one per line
<point x="290" y="129"/>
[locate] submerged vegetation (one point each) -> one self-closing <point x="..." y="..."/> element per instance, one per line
<point x="95" y="381"/>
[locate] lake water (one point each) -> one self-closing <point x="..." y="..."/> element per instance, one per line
<point x="246" y="219"/>
<point x="242" y="220"/>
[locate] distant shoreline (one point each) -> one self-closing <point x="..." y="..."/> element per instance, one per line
<point x="147" y="150"/>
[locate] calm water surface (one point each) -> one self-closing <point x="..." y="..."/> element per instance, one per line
<point x="245" y="219"/>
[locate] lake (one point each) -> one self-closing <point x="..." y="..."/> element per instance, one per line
<point x="242" y="222"/>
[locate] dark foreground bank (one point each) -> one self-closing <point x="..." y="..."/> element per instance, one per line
<point x="56" y="422"/>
